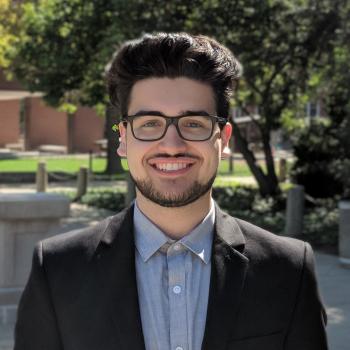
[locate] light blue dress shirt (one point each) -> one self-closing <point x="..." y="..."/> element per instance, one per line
<point x="173" y="283"/>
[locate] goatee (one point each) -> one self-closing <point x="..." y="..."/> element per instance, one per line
<point x="170" y="200"/>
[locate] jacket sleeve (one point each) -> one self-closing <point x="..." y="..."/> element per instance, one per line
<point x="36" y="325"/>
<point x="307" y="327"/>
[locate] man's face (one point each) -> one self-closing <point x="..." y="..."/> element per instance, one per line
<point x="172" y="172"/>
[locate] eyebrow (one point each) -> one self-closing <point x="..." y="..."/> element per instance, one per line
<point x="183" y="113"/>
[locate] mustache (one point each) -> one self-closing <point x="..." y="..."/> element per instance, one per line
<point x="177" y="155"/>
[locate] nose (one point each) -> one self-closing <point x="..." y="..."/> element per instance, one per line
<point x="172" y="142"/>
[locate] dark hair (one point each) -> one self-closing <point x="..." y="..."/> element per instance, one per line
<point x="173" y="55"/>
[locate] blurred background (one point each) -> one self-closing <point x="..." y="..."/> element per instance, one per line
<point x="289" y="169"/>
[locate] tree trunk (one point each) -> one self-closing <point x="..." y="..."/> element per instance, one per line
<point x="70" y="133"/>
<point x="266" y="183"/>
<point x="232" y="155"/>
<point x="114" y="165"/>
<point x="270" y="165"/>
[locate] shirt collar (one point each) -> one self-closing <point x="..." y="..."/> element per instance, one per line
<point x="149" y="238"/>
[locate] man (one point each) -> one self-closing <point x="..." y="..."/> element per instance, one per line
<point x="172" y="271"/>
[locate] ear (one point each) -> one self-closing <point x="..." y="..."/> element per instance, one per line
<point x="122" y="140"/>
<point x="225" y="139"/>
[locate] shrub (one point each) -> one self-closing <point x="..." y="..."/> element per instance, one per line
<point x="107" y="199"/>
<point x="320" y="221"/>
<point x="316" y="148"/>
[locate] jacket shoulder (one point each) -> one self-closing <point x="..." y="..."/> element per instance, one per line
<point x="81" y="241"/>
<point x="262" y="245"/>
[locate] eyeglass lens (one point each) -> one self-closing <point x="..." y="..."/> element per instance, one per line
<point x="194" y="128"/>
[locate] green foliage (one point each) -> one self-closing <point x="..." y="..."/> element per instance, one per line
<point x="323" y="148"/>
<point x="60" y="49"/>
<point x="112" y="200"/>
<point x="321" y="223"/>
<point x="320" y="220"/>
<point x="9" y="31"/>
<point x="316" y="148"/>
<point x="247" y="204"/>
<point x="65" y="47"/>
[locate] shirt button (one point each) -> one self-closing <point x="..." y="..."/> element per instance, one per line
<point x="177" y="246"/>
<point x="177" y="289"/>
<point x="179" y="348"/>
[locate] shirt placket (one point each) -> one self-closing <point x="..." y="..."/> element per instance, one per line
<point x="177" y="298"/>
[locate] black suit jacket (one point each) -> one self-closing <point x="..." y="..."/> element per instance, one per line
<point x="82" y="293"/>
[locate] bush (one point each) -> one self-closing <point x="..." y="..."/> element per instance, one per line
<point x="107" y="199"/>
<point x="316" y="148"/>
<point x="247" y="204"/>
<point x="320" y="221"/>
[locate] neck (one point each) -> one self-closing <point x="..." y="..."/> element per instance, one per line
<point x="175" y="222"/>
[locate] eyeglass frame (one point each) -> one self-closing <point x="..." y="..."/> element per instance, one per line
<point x="175" y="121"/>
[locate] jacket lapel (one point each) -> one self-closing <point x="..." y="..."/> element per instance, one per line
<point x="115" y="257"/>
<point x="115" y="262"/>
<point x="228" y="272"/>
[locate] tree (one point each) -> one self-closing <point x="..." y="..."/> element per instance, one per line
<point x="9" y="13"/>
<point x="60" y="54"/>
<point x="275" y="40"/>
<point x="69" y="43"/>
<point x="66" y="46"/>
<point x="327" y="140"/>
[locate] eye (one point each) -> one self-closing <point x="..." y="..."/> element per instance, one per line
<point x="193" y="124"/>
<point x="150" y="124"/>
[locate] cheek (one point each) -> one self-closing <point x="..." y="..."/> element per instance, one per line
<point x="211" y="156"/>
<point x="136" y="152"/>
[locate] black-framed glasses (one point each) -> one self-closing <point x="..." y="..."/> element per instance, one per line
<point x="189" y="127"/>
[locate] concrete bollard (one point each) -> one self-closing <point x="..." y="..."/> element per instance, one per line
<point x="82" y="182"/>
<point x="295" y="211"/>
<point x="41" y="177"/>
<point x="90" y="165"/>
<point x="130" y="190"/>
<point x="282" y="170"/>
<point x="25" y="218"/>
<point x="344" y="233"/>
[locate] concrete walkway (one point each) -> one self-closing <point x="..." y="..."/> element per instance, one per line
<point x="334" y="282"/>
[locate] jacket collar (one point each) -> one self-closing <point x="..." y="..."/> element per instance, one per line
<point x="116" y="249"/>
<point x="228" y="271"/>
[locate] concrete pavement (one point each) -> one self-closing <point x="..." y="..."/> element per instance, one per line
<point x="334" y="283"/>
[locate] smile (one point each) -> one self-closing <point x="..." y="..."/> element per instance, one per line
<point x="167" y="167"/>
<point x="171" y="165"/>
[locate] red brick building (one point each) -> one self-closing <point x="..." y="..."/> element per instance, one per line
<point x="27" y="122"/>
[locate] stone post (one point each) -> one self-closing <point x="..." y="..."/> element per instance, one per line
<point x="82" y="183"/>
<point x="25" y="218"/>
<point x="41" y="177"/>
<point x="130" y="190"/>
<point x="344" y="233"/>
<point x="295" y="211"/>
<point x="90" y="165"/>
<point x="282" y="170"/>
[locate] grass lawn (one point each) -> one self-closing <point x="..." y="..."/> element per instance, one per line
<point x="72" y="165"/>
<point x="69" y="165"/>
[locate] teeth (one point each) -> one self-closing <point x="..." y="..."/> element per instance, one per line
<point x="171" y="166"/>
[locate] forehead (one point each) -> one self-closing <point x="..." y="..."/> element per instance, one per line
<point x="171" y="96"/>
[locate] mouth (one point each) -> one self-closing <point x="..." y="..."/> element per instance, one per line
<point x="171" y="165"/>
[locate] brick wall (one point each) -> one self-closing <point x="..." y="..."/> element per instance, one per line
<point x="9" y="121"/>
<point x="47" y="126"/>
<point x="88" y="128"/>
<point x="44" y="125"/>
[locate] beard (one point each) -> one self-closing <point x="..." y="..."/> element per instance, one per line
<point x="172" y="200"/>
